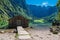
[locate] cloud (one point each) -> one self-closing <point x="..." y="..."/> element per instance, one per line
<point x="44" y="4"/>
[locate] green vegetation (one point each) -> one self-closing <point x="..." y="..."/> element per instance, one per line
<point x="39" y="21"/>
<point x="16" y="36"/>
<point x="58" y="6"/>
<point x="3" y="20"/>
<point x="9" y="9"/>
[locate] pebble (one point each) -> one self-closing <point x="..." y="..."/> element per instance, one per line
<point x="7" y="36"/>
<point x="41" y="37"/>
<point x="49" y="34"/>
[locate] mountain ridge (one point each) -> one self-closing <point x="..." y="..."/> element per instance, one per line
<point x="40" y="11"/>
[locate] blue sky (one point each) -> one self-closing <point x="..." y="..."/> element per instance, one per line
<point x="42" y="2"/>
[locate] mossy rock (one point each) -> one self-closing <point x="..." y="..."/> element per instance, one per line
<point x="51" y="30"/>
<point x="54" y="32"/>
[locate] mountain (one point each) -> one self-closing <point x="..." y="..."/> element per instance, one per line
<point x="11" y="8"/>
<point x="40" y="12"/>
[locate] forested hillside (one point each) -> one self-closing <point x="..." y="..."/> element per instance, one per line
<point x="11" y="8"/>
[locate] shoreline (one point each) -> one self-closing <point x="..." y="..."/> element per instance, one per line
<point x="42" y="34"/>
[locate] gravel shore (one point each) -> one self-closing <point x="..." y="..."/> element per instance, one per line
<point x="35" y="35"/>
<point x="43" y="34"/>
<point x="7" y="36"/>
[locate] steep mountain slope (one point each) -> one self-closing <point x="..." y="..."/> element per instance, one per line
<point x="11" y="8"/>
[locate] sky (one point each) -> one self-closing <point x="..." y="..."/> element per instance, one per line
<point x="42" y="2"/>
